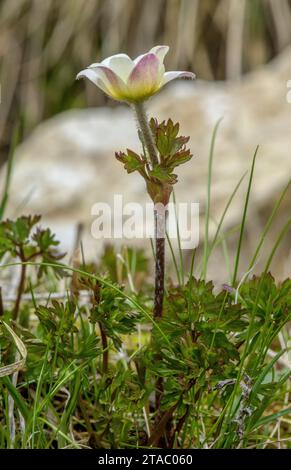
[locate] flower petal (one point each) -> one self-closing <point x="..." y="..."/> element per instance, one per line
<point x="144" y="79"/>
<point x="115" y="86"/>
<point x="121" y="64"/>
<point x="168" y="76"/>
<point x="160" y="52"/>
<point x="93" y="77"/>
<point x="126" y="80"/>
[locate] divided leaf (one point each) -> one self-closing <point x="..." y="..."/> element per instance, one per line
<point x="132" y="161"/>
<point x="162" y="174"/>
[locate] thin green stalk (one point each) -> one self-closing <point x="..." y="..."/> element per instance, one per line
<point x="5" y="195"/>
<point x="268" y="224"/>
<point x="179" y="240"/>
<point x="37" y="394"/>
<point x="230" y="403"/>
<point x="192" y="263"/>
<point x="190" y="280"/>
<point x="18" y="399"/>
<point x="174" y="259"/>
<point x="71" y="406"/>
<point x="208" y="200"/>
<point x="276" y="245"/>
<point x="224" y="214"/>
<point x="226" y="255"/>
<point x="244" y="218"/>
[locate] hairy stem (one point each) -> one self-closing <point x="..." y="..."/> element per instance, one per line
<point x="160" y="230"/>
<point x="146" y="132"/>
<point x="160" y="224"/>
<point x="160" y="213"/>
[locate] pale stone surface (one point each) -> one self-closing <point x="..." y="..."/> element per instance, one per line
<point x="67" y="163"/>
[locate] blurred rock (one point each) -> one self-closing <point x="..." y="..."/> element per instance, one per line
<point x="67" y="164"/>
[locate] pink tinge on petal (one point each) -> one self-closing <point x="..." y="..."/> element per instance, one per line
<point x="116" y="87"/>
<point x="160" y="52"/>
<point x="121" y="64"/>
<point x="111" y="76"/>
<point x="94" y="77"/>
<point x="144" y="78"/>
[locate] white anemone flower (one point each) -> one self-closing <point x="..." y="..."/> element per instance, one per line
<point x="124" y="79"/>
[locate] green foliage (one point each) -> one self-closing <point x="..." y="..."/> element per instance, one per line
<point x="172" y="152"/>
<point x="93" y="363"/>
<point x="23" y="239"/>
<point x="171" y="147"/>
<point x="132" y="161"/>
<point x="57" y="320"/>
<point x="110" y="310"/>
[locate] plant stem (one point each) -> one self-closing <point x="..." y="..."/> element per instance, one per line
<point x="161" y="425"/>
<point x="160" y="223"/>
<point x="19" y="292"/>
<point x="160" y="215"/>
<point x="242" y="229"/>
<point x="105" y="356"/>
<point x="1" y="303"/>
<point x="146" y="132"/>
<point x="21" y="284"/>
<point x="176" y="431"/>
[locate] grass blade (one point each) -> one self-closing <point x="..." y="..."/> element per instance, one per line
<point x="244" y="219"/>
<point x="5" y="196"/>
<point x="268" y="224"/>
<point x="208" y="200"/>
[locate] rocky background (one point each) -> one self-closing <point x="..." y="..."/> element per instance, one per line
<point x="239" y="51"/>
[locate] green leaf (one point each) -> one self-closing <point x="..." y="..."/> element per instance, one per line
<point x="163" y="174"/>
<point x="131" y="160"/>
